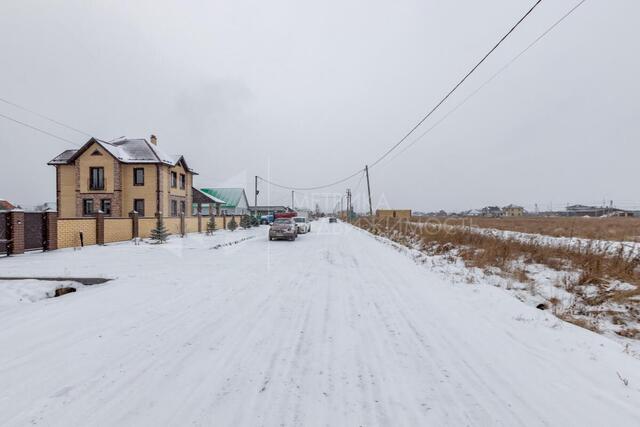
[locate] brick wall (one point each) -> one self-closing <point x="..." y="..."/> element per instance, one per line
<point x="69" y="232"/>
<point x="117" y="229"/>
<point x="192" y="224"/>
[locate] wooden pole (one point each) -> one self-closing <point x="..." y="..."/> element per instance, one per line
<point x="366" y="169"/>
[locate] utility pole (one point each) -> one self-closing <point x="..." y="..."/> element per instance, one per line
<point x="255" y="203"/>
<point x="292" y="201"/>
<point x="366" y="169"/>
<point x="349" y="205"/>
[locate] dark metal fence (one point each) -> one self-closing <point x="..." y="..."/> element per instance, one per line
<point x="3" y="233"/>
<point x="33" y="231"/>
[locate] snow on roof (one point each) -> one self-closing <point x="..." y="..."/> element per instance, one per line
<point x="63" y="157"/>
<point x="5" y="205"/>
<point x="231" y="196"/>
<point x="137" y="150"/>
<point x="208" y="196"/>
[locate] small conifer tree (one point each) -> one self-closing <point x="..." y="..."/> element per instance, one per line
<point x="160" y="233"/>
<point x="232" y="225"/>
<point x="211" y="226"/>
<point x="245" y="222"/>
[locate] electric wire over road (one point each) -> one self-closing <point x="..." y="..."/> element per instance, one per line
<point x="42" y="116"/>
<point x="37" y="129"/>
<point x="448" y="95"/>
<point x="395" y="146"/>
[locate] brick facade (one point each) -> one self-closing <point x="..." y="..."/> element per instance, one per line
<point x="100" y="228"/>
<point x="116" y="201"/>
<point x="16" y="232"/>
<point x="50" y="231"/>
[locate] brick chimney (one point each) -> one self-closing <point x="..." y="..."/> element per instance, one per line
<point x="154" y="140"/>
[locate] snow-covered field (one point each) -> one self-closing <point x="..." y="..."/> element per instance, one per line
<point x="609" y="247"/>
<point x="336" y="328"/>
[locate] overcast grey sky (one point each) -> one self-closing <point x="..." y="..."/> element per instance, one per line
<point x="308" y="92"/>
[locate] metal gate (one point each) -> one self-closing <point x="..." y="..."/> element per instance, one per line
<point x="33" y="231"/>
<point x="3" y="233"/>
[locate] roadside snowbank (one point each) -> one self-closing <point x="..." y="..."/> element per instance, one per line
<point x="15" y="292"/>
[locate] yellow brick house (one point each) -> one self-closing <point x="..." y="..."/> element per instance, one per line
<point x="121" y="176"/>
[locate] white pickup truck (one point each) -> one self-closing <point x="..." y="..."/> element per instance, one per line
<point x="302" y="224"/>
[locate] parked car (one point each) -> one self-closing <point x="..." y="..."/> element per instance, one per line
<point x="302" y="224"/>
<point x="333" y="219"/>
<point x="266" y="219"/>
<point x="283" y="228"/>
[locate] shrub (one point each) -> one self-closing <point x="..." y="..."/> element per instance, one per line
<point x="232" y="225"/>
<point x="245" y="221"/>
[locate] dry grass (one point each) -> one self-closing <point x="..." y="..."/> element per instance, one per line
<point x="596" y="269"/>
<point x="617" y="229"/>
<point x="480" y="250"/>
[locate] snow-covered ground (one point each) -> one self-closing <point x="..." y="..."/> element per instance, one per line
<point x="335" y="328"/>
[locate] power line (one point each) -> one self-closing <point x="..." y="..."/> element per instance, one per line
<point x="433" y="110"/>
<point x="319" y="187"/>
<point x="39" y="130"/>
<point x="6" y="101"/>
<point x="493" y="77"/>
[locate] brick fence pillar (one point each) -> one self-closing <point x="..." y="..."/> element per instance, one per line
<point x="99" y="228"/>
<point x="224" y="221"/>
<point x="16" y="232"/>
<point x="50" y="230"/>
<point x="182" y="225"/>
<point x="199" y="222"/>
<point x="135" y="226"/>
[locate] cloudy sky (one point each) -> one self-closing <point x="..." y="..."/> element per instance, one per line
<point x="306" y="93"/>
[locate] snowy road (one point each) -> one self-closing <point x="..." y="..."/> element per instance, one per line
<point x="333" y="329"/>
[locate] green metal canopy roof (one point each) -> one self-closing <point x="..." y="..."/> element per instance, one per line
<point x="231" y="196"/>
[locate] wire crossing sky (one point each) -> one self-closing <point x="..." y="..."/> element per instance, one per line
<point x="306" y="94"/>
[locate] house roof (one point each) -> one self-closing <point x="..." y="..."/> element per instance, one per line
<point x="582" y="208"/>
<point x="5" y="205"/>
<point x="126" y="150"/>
<point x="231" y="196"/>
<point x="512" y="206"/>
<point x="202" y="197"/>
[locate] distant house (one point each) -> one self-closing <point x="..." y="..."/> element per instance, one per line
<point x="6" y="205"/>
<point x="491" y="211"/>
<point x="393" y="213"/>
<point x="206" y="204"/>
<point x="594" y="211"/>
<point x="236" y="202"/>
<point x="513" y="210"/>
